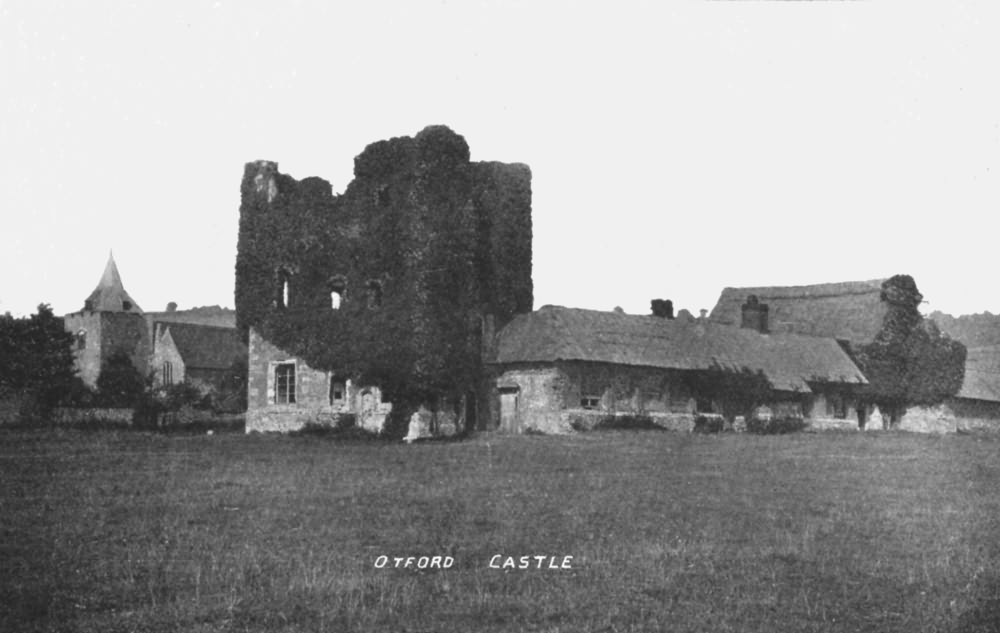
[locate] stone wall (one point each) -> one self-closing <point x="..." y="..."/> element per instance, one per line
<point x="165" y="351"/>
<point x="87" y="327"/>
<point x="126" y="333"/>
<point x="312" y="404"/>
<point x="976" y="415"/>
<point x="551" y="398"/>
<point x="72" y="416"/>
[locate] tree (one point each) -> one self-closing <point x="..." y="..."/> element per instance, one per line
<point x="120" y="383"/>
<point x="909" y="362"/>
<point x="738" y="392"/>
<point x="36" y="359"/>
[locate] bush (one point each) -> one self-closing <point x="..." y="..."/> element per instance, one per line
<point x="706" y="424"/>
<point x="627" y="423"/>
<point x="775" y="426"/>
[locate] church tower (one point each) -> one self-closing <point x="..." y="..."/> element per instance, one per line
<point x="110" y="322"/>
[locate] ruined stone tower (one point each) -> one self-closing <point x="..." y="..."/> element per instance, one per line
<point x="389" y="284"/>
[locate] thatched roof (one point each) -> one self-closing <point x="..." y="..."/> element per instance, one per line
<point x="849" y="310"/>
<point x="555" y="333"/>
<point x="204" y="346"/>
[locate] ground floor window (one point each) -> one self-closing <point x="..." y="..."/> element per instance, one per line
<point x="590" y="402"/>
<point x="284" y="383"/>
<point x="836" y="406"/>
<point x="338" y="390"/>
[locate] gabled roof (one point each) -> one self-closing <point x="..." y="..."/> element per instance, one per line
<point x="849" y="310"/>
<point x="110" y="295"/>
<point x="204" y="346"/>
<point x="982" y="374"/>
<point x="555" y="333"/>
<point x="980" y="385"/>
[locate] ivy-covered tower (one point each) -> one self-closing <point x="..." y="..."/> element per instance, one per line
<point x="382" y="293"/>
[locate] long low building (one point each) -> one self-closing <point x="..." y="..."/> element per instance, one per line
<point x="562" y="368"/>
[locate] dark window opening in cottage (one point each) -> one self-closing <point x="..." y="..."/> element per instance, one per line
<point x="704" y="405"/>
<point x="590" y="402"/>
<point x="81" y="339"/>
<point x="126" y="305"/>
<point x="284" y="383"/>
<point x="374" y="295"/>
<point x="836" y="406"/>
<point x="168" y="373"/>
<point x="338" y="391"/>
<point x="88" y="305"/>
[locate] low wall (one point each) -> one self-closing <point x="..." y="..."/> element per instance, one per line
<point x="570" y="420"/>
<point x="92" y="415"/>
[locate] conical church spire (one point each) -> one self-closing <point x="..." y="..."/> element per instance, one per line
<point x="110" y="295"/>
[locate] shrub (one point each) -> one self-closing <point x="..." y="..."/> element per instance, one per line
<point x="627" y="423"/>
<point x="708" y="424"/>
<point x="775" y="426"/>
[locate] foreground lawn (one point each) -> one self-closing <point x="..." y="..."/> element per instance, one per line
<point x="109" y="531"/>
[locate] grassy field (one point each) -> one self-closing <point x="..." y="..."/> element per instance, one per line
<point x="126" y="531"/>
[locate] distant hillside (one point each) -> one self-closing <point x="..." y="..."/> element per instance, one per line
<point x="203" y="315"/>
<point x="974" y="330"/>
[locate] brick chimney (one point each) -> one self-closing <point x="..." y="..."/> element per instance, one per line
<point x="754" y="315"/>
<point x="663" y="308"/>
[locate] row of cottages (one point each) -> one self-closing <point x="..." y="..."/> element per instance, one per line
<point x="562" y="368"/>
<point x="200" y="346"/>
<point x="853" y="312"/>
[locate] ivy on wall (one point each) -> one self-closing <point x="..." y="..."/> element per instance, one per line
<point x="910" y="362"/>
<point x="442" y="241"/>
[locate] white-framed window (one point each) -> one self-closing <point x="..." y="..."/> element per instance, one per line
<point x="284" y="383"/>
<point x="590" y="402"/>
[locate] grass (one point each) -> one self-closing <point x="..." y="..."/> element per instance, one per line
<point x="128" y="531"/>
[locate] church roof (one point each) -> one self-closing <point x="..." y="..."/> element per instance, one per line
<point x="789" y="361"/>
<point x="205" y="346"/>
<point x="110" y="295"/>
<point x="849" y="310"/>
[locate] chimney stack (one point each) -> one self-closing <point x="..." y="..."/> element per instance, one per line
<point x="663" y="308"/>
<point x="754" y="315"/>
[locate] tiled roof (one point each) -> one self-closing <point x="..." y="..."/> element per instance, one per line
<point x="555" y="333"/>
<point x="205" y="347"/>
<point x="850" y="310"/>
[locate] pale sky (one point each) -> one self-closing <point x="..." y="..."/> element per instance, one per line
<point x="676" y="148"/>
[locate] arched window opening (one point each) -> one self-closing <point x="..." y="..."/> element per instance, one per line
<point x="168" y="373"/>
<point x="283" y="298"/>
<point x="338" y="288"/>
<point x="81" y="339"/>
<point x="374" y="294"/>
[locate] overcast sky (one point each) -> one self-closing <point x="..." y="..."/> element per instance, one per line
<point x="676" y="148"/>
